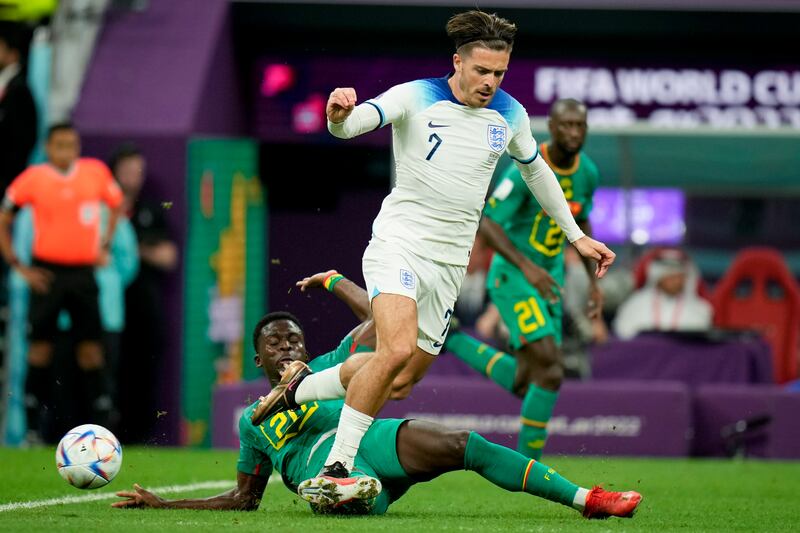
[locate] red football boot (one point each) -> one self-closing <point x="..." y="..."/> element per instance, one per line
<point x="602" y="504"/>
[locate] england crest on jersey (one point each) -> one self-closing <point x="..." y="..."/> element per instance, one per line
<point x="496" y="135"/>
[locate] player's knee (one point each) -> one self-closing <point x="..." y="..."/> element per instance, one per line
<point x="90" y="356"/>
<point x="552" y="377"/>
<point x="396" y="357"/>
<point x="540" y="365"/>
<point x="457" y="445"/>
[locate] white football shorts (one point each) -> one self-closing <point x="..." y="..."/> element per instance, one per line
<point x="389" y="268"/>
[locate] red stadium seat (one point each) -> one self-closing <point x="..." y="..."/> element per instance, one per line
<point x="759" y="292"/>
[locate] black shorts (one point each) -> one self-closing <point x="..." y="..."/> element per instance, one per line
<point x="74" y="289"/>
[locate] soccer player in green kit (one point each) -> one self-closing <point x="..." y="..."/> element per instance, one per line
<point x="394" y="455"/>
<point x="526" y="273"/>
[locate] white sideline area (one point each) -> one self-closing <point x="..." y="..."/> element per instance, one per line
<point x="84" y="498"/>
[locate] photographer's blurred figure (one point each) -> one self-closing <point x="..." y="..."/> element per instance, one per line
<point x="668" y="301"/>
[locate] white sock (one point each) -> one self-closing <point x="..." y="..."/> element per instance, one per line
<point x="352" y="426"/>
<point x="324" y="385"/>
<point x="579" y="502"/>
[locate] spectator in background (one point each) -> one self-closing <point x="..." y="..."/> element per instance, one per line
<point x="65" y="195"/>
<point x="580" y="330"/>
<point x="668" y="301"/>
<point x="17" y="110"/>
<point x="143" y="337"/>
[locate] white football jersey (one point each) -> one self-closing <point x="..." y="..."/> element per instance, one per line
<point x="445" y="154"/>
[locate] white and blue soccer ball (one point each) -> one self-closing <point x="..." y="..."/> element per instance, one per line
<point x="89" y="456"/>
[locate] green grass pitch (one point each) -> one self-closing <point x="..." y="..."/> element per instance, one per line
<point x="679" y="495"/>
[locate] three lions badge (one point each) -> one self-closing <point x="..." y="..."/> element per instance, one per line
<point x="496" y="137"/>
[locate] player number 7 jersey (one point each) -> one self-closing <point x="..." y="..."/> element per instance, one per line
<point x="445" y="154"/>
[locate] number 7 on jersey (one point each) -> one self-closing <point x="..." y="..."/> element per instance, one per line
<point x="438" y="140"/>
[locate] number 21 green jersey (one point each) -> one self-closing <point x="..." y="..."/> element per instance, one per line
<point x="527" y="225"/>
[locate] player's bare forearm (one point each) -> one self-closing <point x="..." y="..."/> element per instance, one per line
<point x="355" y="297"/>
<point x="350" y="293"/>
<point x="246" y="496"/>
<point x="228" y="501"/>
<point x="496" y="238"/>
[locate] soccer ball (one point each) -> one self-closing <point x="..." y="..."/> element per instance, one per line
<point x="88" y="456"/>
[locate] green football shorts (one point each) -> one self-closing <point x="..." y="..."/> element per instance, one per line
<point x="529" y="317"/>
<point x="377" y="457"/>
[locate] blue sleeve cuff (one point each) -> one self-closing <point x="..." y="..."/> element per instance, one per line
<point x="380" y="114"/>
<point x="527" y="161"/>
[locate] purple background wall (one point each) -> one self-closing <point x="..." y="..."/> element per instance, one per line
<point x="157" y="78"/>
<point x="594" y="418"/>
<point x="636" y="418"/>
<point x="302" y="243"/>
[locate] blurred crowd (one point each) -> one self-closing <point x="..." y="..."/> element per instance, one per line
<point x="660" y="291"/>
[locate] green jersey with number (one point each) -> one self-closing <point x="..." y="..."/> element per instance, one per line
<point x="528" y="226"/>
<point x="288" y="439"/>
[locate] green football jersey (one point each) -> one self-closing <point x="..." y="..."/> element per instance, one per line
<point x="528" y="226"/>
<point x="286" y="440"/>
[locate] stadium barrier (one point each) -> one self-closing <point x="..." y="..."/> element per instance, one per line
<point x="646" y="418"/>
<point x="752" y="421"/>
<point x="596" y="418"/>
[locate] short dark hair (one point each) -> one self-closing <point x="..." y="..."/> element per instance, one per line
<point x="122" y="152"/>
<point x="60" y="126"/>
<point x="565" y="103"/>
<point x="272" y="317"/>
<point x="477" y="28"/>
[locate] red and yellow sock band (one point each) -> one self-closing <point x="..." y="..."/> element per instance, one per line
<point x="331" y="281"/>
<point x="527" y="471"/>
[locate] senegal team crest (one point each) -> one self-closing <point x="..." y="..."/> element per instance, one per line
<point x="496" y="135"/>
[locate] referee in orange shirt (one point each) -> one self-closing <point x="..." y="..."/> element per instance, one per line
<point x="65" y="195"/>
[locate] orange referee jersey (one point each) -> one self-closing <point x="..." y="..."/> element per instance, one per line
<point x="66" y="209"/>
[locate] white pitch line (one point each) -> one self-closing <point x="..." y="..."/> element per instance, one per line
<point x="221" y="484"/>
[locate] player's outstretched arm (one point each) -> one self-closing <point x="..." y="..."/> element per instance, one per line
<point x="350" y="293"/>
<point x="496" y="238"/>
<point x="246" y="496"/>
<point x="354" y="296"/>
<point x="345" y="119"/>
<point x="545" y="187"/>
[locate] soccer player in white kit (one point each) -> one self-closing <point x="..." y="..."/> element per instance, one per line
<point x="448" y="134"/>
